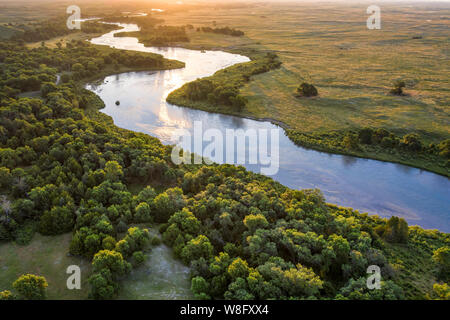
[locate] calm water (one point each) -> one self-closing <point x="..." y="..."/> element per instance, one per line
<point x="367" y="185"/>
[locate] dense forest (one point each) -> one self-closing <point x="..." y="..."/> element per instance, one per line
<point x="56" y="27"/>
<point x="64" y="167"/>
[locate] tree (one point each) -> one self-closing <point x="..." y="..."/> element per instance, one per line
<point x="307" y="90"/>
<point x="31" y="287"/>
<point x="5" y="177"/>
<point x="57" y="221"/>
<point x="398" y="87"/>
<point x="357" y="290"/>
<point x="167" y="203"/>
<point x="103" y="287"/>
<point x="78" y="68"/>
<point x="109" y="243"/>
<point x="412" y="142"/>
<point x="365" y="136"/>
<point x="350" y="142"/>
<point x="113" y="171"/>
<point x="138" y="258"/>
<point x="238" y="290"/>
<point x="106" y="259"/>
<point x="440" y="291"/>
<point x="444" y="149"/>
<point x="197" y="248"/>
<point x="143" y="213"/>
<point x="46" y="88"/>
<point x="253" y="222"/>
<point x="6" y="295"/>
<point x="146" y="195"/>
<point x="441" y="258"/>
<point x="396" y="230"/>
<point x="238" y="269"/>
<point x="200" y="288"/>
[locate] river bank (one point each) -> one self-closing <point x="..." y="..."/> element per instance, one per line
<point x="394" y="189"/>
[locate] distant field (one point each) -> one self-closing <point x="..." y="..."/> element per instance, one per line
<point x="44" y="256"/>
<point x="353" y="67"/>
<point x="63" y="40"/>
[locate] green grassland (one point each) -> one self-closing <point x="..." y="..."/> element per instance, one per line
<point x="48" y="257"/>
<point x="352" y="67"/>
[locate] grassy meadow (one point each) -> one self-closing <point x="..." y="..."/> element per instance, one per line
<point x="46" y="256"/>
<point x="353" y="69"/>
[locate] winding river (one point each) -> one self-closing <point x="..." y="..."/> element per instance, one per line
<point x="386" y="189"/>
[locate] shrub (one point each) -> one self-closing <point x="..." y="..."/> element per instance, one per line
<point x="138" y="258"/>
<point x="307" y="90"/>
<point x="143" y="213"/>
<point x="444" y="148"/>
<point x="31" y="287"/>
<point x="155" y="241"/>
<point x="412" y="142"/>
<point x="398" y="88"/>
<point x="57" y="221"/>
<point x="365" y="136"/>
<point x="350" y="142"/>
<point x="441" y="258"/>
<point x="6" y="295"/>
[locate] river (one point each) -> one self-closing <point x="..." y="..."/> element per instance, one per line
<point x="376" y="187"/>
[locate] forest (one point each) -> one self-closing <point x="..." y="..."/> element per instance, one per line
<point x="64" y="167"/>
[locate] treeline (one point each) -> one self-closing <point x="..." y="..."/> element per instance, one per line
<point x="158" y="36"/>
<point x="25" y="70"/>
<point x="43" y="30"/>
<point x="222" y="89"/>
<point x="57" y="27"/>
<point x="246" y="237"/>
<point x="226" y="31"/>
<point x="411" y="148"/>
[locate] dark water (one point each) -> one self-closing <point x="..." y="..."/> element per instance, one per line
<point x="367" y="185"/>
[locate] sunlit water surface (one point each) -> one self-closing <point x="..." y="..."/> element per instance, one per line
<point x="367" y="185"/>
